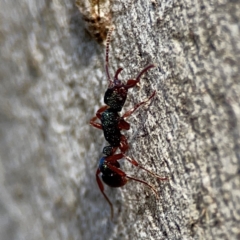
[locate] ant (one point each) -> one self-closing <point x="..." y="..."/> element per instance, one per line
<point x="112" y="124"/>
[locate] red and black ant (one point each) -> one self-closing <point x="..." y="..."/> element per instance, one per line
<point x="112" y="124"/>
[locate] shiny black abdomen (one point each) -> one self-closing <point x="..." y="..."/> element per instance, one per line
<point x="109" y="177"/>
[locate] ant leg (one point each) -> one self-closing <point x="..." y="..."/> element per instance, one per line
<point x="98" y="116"/>
<point x="131" y="82"/>
<point x="94" y="124"/>
<point x="136" y="164"/>
<point x="101" y="110"/>
<point x="101" y="187"/>
<point x="107" y="51"/>
<point x="123" y="144"/>
<point x="144" y="182"/>
<point x="123" y="125"/>
<point x="124" y="175"/>
<point x="119" y="156"/>
<point x="128" y="113"/>
<point x="114" y="158"/>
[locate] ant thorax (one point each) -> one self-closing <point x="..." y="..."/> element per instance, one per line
<point x="97" y="17"/>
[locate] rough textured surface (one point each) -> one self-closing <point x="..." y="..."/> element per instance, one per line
<point x="52" y="83"/>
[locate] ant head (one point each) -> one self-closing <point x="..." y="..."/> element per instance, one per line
<point x="115" y="97"/>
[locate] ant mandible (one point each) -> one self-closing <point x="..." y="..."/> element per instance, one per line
<point x="112" y="124"/>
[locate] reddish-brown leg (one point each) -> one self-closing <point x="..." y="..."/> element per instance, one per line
<point x="144" y="182"/>
<point x="123" y="125"/>
<point x="101" y="110"/>
<point x="114" y="150"/>
<point x="123" y="174"/>
<point x="95" y="124"/>
<point x="136" y="164"/>
<point x="101" y="187"/>
<point x="114" y="158"/>
<point x="98" y="116"/>
<point x="123" y="144"/>
<point x="119" y="156"/>
<point x="128" y="113"/>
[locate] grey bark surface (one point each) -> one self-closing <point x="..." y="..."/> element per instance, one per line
<point x="53" y="82"/>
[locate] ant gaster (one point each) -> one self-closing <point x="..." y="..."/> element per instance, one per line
<point x="112" y="124"/>
<point x="113" y="176"/>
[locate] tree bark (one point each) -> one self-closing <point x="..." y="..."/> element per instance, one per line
<point x="52" y="83"/>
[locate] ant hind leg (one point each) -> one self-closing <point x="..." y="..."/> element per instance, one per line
<point x="101" y="187"/>
<point x="136" y="164"/>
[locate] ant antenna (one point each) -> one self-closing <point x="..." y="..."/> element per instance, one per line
<point x="107" y="51"/>
<point x="98" y="4"/>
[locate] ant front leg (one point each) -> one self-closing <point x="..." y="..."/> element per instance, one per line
<point x="130" y="112"/>
<point x="98" y="116"/>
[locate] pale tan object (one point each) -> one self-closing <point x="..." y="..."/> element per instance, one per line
<point x="97" y="17"/>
